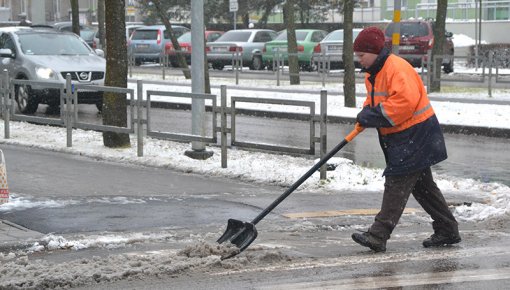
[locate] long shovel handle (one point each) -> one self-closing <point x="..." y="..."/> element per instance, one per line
<point x="357" y="129"/>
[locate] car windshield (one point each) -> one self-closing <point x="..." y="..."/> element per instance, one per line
<point x="300" y="35"/>
<point x="52" y="44"/>
<point x="141" y="34"/>
<point x="239" y="36"/>
<point x="337" y="35"/>
<point x="186" y="37"/>
<point x="87" y="34"/>
<point x="416" y="29"/>
<point x="178" y="31"/>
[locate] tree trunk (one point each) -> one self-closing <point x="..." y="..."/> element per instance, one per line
<point x="181" y="59"/>
<point x="100" y="24"/>
<point x="348" y="57"/>
<point x="114" y="104"/>
<point x="437" y="48"/>
<point x="75" y="15"/>
<point x="288" y="14"/>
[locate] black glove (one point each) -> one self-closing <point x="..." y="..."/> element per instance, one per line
<point x="361" y="118"/>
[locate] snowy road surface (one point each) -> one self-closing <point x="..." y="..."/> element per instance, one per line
<point x="305" y="244"/>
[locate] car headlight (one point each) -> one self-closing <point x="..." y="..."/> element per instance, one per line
<point x="45" y="73"/>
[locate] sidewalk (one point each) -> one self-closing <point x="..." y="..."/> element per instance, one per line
<point x="12" y="234"/>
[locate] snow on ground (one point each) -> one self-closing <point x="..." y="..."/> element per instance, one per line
<point x="17" y="270"/>
<point x="264" y="167"/>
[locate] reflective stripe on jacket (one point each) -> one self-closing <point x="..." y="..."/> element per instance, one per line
<point x="400" y="95"/>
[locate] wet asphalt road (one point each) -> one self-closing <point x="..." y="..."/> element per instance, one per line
<point x="318" y="253"/>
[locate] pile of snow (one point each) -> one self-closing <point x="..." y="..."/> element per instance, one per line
<point x="462" y="40"/>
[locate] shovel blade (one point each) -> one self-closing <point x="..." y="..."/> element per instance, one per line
<point x="239" y="233"/>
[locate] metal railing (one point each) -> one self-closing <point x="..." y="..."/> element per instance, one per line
<point x="139" y="124"/>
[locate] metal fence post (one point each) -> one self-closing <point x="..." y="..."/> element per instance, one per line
<point x="163" y="61"/>
<point x="321" y="67"/>
<point x="491" y="61"/>
<point x="237" y="64"/>
<point x="130" y="64"/>
<point x="68" y="113"/>
<point x="6" y="103"/>
<point x="277" y="65"/>
<point x="223" y="113"/>
<point x="429" y="72"/>
<point x="139" y="117"/>
<point x="323" y="131"/>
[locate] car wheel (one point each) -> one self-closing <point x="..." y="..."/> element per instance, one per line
<point x="306" y="67"/>
<point x="448" y="67"/>
<point x="257" y="63"/>
<point x="217" y="66"/>
<point x="27" y="101"/>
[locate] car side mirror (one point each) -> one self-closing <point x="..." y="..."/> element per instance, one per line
<point x="99" y="52"/>
<point x="6" y="52"/>
<point x="448" y="34"/>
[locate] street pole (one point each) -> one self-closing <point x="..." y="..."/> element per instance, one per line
<point x="198" y="80"/>
<point x="476" y="35"/>
<point x="233" y="6"/>
<point x="480" y="28"/>
<point x="395" y="38"/>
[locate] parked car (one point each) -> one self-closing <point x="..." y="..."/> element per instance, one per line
<point x="416" y="38"/>
<point x="331" y="49"/>
<point x="306" y="39"/>
<point x="48" y="55"/>
<point x="129" y="30"/>
<point x="86" y="32"/>
<point x="185" y="44"/>
<point x="249" y="43"/>
<point x="147" y="44"/>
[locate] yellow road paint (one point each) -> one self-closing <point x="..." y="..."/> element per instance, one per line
<point x="333" y="213"/>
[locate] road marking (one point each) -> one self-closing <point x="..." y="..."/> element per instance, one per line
<point x="431" y="278"/>
<point x="334" y="213"/>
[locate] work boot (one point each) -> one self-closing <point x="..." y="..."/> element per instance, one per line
<point x="438" y="240"/>
<point x="368" y="240"/>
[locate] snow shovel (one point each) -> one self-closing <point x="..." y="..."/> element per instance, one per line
<point x="242" y="234"/>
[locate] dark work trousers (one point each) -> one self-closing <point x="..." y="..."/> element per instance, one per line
<point x="396" y="193"/>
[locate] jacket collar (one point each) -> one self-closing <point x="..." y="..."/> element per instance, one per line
<point x="378" y="63"/>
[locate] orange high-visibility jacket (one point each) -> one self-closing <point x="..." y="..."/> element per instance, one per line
<point x="400" y="93"/>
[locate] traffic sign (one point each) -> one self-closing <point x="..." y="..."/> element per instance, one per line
<point x="233" y="5"/>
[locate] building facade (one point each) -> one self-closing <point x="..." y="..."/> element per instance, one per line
<point x="51" y="11"/>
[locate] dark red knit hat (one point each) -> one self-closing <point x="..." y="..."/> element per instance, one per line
<point x="370" y="39"/>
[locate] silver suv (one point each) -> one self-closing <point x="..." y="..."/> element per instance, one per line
<point x="147" y="44"/>
<point x="249" y="43"/>
<point x="43" y="54"/>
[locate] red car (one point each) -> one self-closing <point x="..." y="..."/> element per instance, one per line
<point x="416" y="38"/>
<point x="185" y="43"/>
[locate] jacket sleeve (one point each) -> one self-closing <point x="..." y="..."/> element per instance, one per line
<point x="372" y="118"/>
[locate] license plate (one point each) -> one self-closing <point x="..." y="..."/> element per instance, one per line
<point x="219" y="48"/>
<point x="142" y="46"/>
<point x="280" y="49"/>
<point x="406" y="47"/>
<point x="334" y="48"/>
